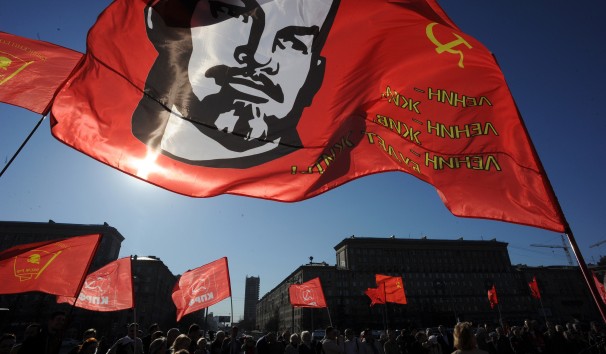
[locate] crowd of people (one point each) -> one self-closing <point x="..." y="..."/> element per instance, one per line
<point x="464" y="338"/>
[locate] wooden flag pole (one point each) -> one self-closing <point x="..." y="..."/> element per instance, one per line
<point x="329" y="319"/>
<point x="543" y="310"/>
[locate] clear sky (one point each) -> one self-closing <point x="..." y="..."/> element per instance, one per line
<point x="552" y="54"/>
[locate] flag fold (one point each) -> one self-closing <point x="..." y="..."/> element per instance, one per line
<point x="393" y="288"/>
<point x="534" y="288"/>
<point x="492" y="297"/>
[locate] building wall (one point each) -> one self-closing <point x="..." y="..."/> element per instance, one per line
<point x="445" y="281"/>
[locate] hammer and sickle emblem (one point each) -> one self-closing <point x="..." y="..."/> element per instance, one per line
<point x="447" y="47"/>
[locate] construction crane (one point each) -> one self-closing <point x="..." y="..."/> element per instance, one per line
<point x="597" y="244"/>
<point x="563" y="246"/>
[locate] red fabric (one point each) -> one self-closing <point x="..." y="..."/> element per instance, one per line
<point x="492" y="297"/>
<point x="308" y="294"/>
<point x="409" y="93"/>
<point x="202" y="287"/>
<point x="393" y="287"/>
<point x="534" y="288"/>
<point x="376" y="295"/>
<point x="31" y="71"/>
<point x="600" y="287"/>
<point x="55" y="267"/>
<point x="108" y="289"/>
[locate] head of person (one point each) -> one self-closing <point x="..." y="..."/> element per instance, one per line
<point x="153" y="328"/>
<point x="89" y="346"/>
<point x="421" y="337"/>
<point x="220" y="336"/>
<point x="349" y="333"/>
<point x="133" y="329"/>
<point x="367" y="335"/>
<point x="56" y="322"/>
<point x="33" y="329"/>
<point x="171" y="335"/>
<point x="89" y="333"/>
<point x="158" y="346"/>
<point x="157" y="334"/>
<point x="232" y="78"/>
<point x="306" y="336"/>
<point x="294" y="339"/>
<point x="7" y="342"/>
<point x="270" y="337"/>
<point x="194" y="332"/>
<point x="234" y="332"/>
<point x="202" y="343"/>
<point x="331" y="333"/>
<point x="464" y="338"/>
<point x="181" y="342"/>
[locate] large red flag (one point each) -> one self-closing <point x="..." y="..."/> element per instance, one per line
<point x="534" y="288"/>
<point x="108" y="289"/>
<point x="280" y="101"/>
<point x="393" y="287"/>
<point x="202" y="287"/>
<point x="492" y="297"/>
<point x="376" y="295"/>
<point x="31" y="71"/>
<point x="308" y="294"/>
<point x="55" y="267"/>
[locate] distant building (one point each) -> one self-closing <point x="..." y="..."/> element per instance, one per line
<point x="445" y="281"/>
<point x="153" y="283"/>
<point x="251" y="297"/>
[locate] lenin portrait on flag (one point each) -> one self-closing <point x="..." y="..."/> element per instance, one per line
<point x="232" y="78"/>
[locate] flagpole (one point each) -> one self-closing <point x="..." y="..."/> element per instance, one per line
<point x="543" y="310"/>
<point x="329" y="319"/>
<point x="567" y="230"/>
<point x="22" y="145"/>
<point x="292" y="321"/>
<point x="500" y="318"/>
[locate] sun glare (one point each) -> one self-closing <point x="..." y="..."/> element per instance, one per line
<point x="148" y="164"/>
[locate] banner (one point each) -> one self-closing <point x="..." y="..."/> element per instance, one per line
<point x="202" y="287"/>
<point x="278" y="100"/>
<point x="308" y="294"/>
<point x="31" y="71"/>
<point x="393" y="287"/>
<point x="55" y="267"/>
<point x="534" y="288"/>
<point x="108" y="289"/>
<point x="600" y="286"/>
<point x="492" y="297"/>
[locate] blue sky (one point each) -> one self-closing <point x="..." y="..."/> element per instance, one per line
<point x="552" y="54"/>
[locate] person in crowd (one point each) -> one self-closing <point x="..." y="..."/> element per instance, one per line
<point x="293" y="346"/>
<point x="501" y="343"/>
<point x="89" y="346"/>
<point x="391" y="345"/>
<point x="147" y="339"/>
<point x="417" y="346"/>
<point x="129" y="343"/>
<point x="331" y="343"/>
<point x="171" y="335"/>
<point x="217" y="344"/>
<point x="306" y="346"/>
<point x="464" y="340"/>
<point x="48" y="339"/>
<point x="158" y="346"/>
<point x="368" y="344"/>
<point x="7" y="342"/>
<point x="232" y="345"/>
<point x="182" y="342"/>
<point x="194" y="333"/>
<point x="352" y="344"/>
<point x="432" y="346"/>
<point x="445" y="339"/>
<point x="267" y="344"/>
<point x="202" y="346"/>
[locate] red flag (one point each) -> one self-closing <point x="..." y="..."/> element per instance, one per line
<point x="534" y="288"/>
<point x="393" y="287"/>
<point x="492" y="297"/>
<point x="54" y="267"/>
<point x="202" y="287"/>
<point x="600" y="286"/>
<point x="286" y="119"/>
<point x="31" y="71"/>
<point x="108" y="289"/>
<point x="376" y="295"/>
<point x="308" y="294"/>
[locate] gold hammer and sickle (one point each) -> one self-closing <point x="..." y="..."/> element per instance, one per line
<point x="447" y="47"/>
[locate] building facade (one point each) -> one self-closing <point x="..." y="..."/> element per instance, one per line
<point x="251" y="297"/>
<point x="445" y="281"/>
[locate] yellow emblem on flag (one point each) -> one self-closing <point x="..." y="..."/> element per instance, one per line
<point x="30" y="265"/>
<point x="11" y="66"/>
<point x="447" y="47"/>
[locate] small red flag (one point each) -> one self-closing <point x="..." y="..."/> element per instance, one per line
<point x="52" y="267"/>
<point x="308" y="294"/>
<point x="376" y="295"/>
<point x="534" y="288"/>
<point x="108" y="289"/>
<point x="31" y="71"/>
<point x="202" y="287"/>
<point x="600" y="287"/>
<point x="200" y="115"/>
<point x="393" y="287"/>
<point x="492" y="297"/>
